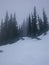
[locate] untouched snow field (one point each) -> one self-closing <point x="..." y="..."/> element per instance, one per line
<point x="26" y="52"/>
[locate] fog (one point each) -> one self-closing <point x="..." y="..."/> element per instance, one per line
<point x="23" y="8"/>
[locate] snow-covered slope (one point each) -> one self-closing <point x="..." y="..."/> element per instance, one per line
<point x="26" y="52"/>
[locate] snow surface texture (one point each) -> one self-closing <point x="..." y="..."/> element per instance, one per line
<point x="26" y="52"/>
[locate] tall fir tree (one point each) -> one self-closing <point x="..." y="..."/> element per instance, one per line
<point x="29" y="26"/>
<point x="40" y="31"/>
<point x="6" y="27"/>
<point x="15" y="27"/>
<point x="1" y="31"/>
<point x="45" y="22"/>
<point x="34" y="23"/>
<point x="23" y="27"/>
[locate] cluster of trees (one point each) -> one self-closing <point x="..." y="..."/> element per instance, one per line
<point x="35" y="25"/>
<point x="32" y="27"/>
<point x="8" y="29"/>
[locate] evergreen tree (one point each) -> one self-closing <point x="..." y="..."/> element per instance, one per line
<point x="34" y="23"/>
<point x="45" y="22"/>
<point x="23" y="27"/>
<point x="40" y="31"/>
<point x="15" y="27"/>
<point x="29" y="26"/>
<point x="1" y="31"/>
<point x="32" y="26"/>
<point x="19" y="31"/>
<point x="5" y="28"/>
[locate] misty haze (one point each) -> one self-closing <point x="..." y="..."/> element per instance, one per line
<point x="24" y="32"/>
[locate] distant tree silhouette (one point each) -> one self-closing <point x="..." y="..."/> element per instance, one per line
<point x="1" y="31"/>
<point x="29" y="26"/>
<point x="9" y="29"/>
<point x="40" y="31"/>
<point x="34" y="22"/>
<point x="45" y="22"/>
<point x="23" y="28"/>
<point x="15" y="27"/>
<point x="33" y="26"/>
<point x="5" y="28"/>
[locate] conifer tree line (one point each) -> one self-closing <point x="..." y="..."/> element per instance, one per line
<point x="8" y="29"/>
<point x="33" y="26"/>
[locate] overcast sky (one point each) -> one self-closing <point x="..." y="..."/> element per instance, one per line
<point x="22" y="8"/>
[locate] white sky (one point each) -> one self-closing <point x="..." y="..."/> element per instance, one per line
<point x="22" y="8"/>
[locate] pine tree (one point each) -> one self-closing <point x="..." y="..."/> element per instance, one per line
<point x="15" y="27"/>
<point x="1" y="30"/>
<point x="40" y="31"/>
<point x="10" y="27"/>
<point x="29" y="26"/>
<point x="32" y="26"/>
<point x="5" y="28"/>
<point x="45" y="22"/>
<point x="34" y="23"/>
<point x="19" y="31"/>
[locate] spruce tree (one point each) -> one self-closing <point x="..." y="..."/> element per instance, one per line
<point x="40" y="31"/>
<point x="34" y="23"/>
<point x="45" y="22"/>
<point x="5" y="28"/>
<point x="15" y="27"/>
<point x="29" y="26"/>
<point x="23" y="27"/>
<point x="1" y="31"/>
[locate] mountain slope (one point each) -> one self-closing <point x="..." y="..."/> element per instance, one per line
<point x="26" y="52"/>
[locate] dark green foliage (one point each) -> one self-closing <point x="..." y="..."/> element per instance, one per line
<point x="32" y="27"/>
<point x="40" y="30"/>
<point x="32" y="24"/>
<point x="9" y="29"/>
<point x="20" y="31"/>
<point x="35" y="22"/>
<point x="29" y="26"/>
<point x="13" y="29"/>
<point x="36" y="26"/>
<point x="45" y="22"/>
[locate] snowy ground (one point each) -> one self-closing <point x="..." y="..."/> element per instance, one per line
<point x="26" y="52"/>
